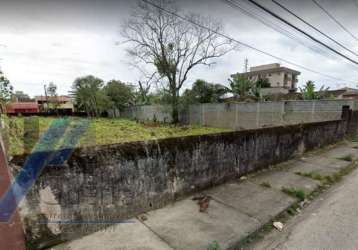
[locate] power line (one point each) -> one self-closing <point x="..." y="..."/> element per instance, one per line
<point x="334" y="19"/>
<point x="302" y="31"/>
<point x="242" y="43"/>
<point x="355" y="2"/>
<point x="271" y="25"/>
<point x="316" y="29"/>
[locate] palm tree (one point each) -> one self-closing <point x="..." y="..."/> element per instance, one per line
<point x="309" y="93"/>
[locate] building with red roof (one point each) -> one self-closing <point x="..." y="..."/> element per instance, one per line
<point x="16" y="108"/>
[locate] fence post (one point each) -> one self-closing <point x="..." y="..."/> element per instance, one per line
<point x="236" y="116"/>
<point x="313" y="110"/>
<point x="202" y="114"/>
<point x="257" y="114"/>
<point x="283" y="108"/>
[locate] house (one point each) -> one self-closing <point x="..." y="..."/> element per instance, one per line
<point x="58" y="104"/>
<point x="343" y="93"/>
<point x="282" y="80"/>
<point x="24" y="108"/>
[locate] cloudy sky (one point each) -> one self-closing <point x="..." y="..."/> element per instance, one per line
<point x="57" y="41"/>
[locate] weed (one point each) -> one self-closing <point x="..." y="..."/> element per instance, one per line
<point x="214" y="246"/>
<point x="265" y="184"/>
<point x="324" y="179"/>
<point x="313" y="175"/>
<point x="293" y="209"/>
<point x="297" y="193"/>
<point x="346" y="158"/>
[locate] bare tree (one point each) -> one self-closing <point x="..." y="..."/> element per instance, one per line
<point x="145" y="83"/>
<point x="173" y="45"/>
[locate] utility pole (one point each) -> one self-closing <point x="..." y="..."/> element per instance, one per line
<point x="246" y="65"/>
<point x="46" y="98"/>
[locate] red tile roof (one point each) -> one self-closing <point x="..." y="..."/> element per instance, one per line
<point x="26" y="107"/>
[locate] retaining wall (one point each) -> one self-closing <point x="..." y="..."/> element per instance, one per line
<point x="123" y="180"/>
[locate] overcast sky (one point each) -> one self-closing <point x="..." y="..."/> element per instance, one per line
<point x="57" y="41"/>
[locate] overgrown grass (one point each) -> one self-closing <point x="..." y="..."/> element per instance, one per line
<point x="297" y="193"/>
<point x="102" y="131"/>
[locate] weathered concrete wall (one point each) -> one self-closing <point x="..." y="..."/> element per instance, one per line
<point x="159" y="113"/>
<point x="267" y="114"/>
<point x="119" y="181"/>
<point x="240" y="116"/>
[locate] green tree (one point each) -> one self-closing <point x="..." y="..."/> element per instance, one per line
<point x="89" y="95"/>
<point x="309" y="91"/>
<point x="160" y="96"/>
<point x="120" y="94"/>
<point x="204" y="92"/>
<point x="240" y="86"/>
<point x="5" y="91"/>
<point x="53" y="97"/>
<point x="173" y="46"/>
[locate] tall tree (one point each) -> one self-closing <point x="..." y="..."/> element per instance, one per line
<point x="53" y="98"/>
<point x="173" y="46"/>
<point x="89" y="95"/>
<point x="121" y="94"/>
<point x="5" y="91"/>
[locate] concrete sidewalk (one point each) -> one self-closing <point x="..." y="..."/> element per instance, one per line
<point x="236" y="209"/>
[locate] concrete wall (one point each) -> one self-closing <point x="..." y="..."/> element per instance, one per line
<point x="119" y="181"/>
<point x="248" y="115"/>
<point x="274" y="91"/>
<point x="160" y="113"/>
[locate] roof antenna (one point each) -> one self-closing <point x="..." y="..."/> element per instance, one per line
<point x="246" y="65"/>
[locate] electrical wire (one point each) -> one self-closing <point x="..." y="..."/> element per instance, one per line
<point x="313" y="27"/>
<point x="244" y="44"/>
<point x="302" y="31"/>
<point x="271" y="25"/>
<point x="334" y="19"/>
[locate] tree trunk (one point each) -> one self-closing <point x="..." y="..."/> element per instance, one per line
<point x="175" y="108"/>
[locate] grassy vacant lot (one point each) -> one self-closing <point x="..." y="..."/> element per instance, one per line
<point x="102" y="131"/>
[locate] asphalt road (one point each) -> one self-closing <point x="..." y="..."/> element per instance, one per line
<point x="330" y="222"/>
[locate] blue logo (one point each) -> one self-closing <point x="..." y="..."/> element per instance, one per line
<point x="53" y="148"/>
